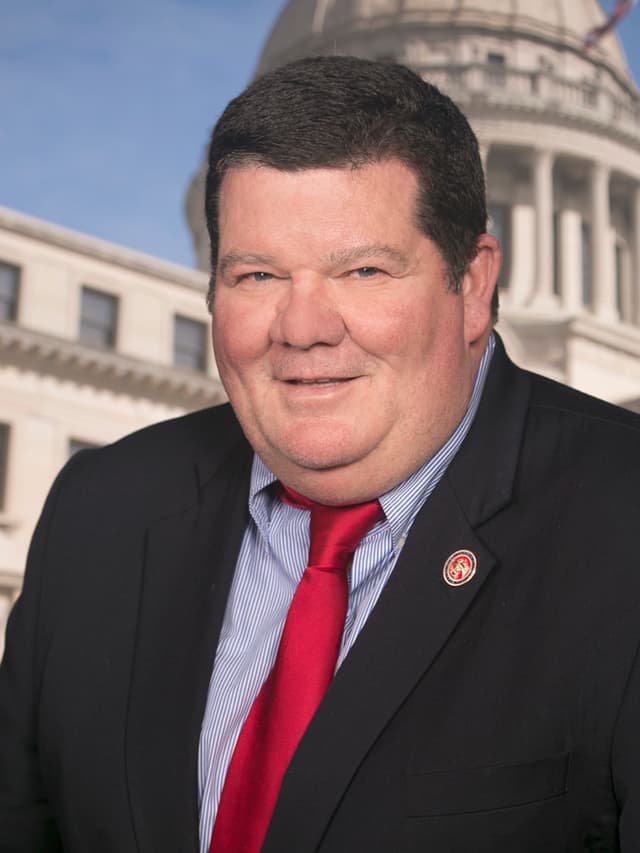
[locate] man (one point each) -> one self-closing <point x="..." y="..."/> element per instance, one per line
<point x="486" y="696"/>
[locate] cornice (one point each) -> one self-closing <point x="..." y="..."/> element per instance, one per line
<point x="538" y="93"/>
<point x="616" y="337"/>
<point x="96" y="249"/>
<point x="10" y="583"/>
<point x="106" y="369"/>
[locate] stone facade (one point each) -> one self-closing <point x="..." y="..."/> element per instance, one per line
<point x="63" y="383"/>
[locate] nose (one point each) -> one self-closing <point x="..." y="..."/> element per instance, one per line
<point x="308" y="315"/>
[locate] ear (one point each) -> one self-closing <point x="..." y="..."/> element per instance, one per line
<point x="477" y="289"/>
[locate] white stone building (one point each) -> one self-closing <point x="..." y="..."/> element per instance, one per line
<point x="95" y="342"/>
<point x="559" y="128"/>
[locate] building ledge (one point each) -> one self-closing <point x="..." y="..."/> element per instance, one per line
<point x="543" y="337"/>
<point x="8" y="522"/>
<point x="10" y="585"/>
<point x="106" y="369"/>
<point x="94" y="248"/>
<point x="538" y="92"/>
<point x="619" y="337"/>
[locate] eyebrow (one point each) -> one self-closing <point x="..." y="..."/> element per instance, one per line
<point x="241" y="258"/>
<point x="360" y="253"/>
<point x="338" y="257"/>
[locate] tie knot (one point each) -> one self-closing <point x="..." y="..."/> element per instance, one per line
<point x="335" y="531"/>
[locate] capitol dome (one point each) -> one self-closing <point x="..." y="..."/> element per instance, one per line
<point x="559" y="131"/>
<point x="305" y="27"/>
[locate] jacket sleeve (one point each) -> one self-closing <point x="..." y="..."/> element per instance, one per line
<point x="26" y="820"/>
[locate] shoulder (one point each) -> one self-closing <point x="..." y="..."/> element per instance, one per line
<point x="581" y="448"/>
<point x="544" y="438"/>
<point x="557" y="400"/>
<point x="188" y="436"/>
<point x="156" y="470"/>
<point x="515" y="398"/>
<point x="574" y="426"/>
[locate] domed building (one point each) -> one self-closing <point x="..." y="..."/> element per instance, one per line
<point x="559" y="128"/>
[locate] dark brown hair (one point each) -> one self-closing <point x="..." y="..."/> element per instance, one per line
<point x="340" y="111"/>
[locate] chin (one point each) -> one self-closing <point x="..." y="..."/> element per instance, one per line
<point x="317" y="460"/>
<point x="317" y="452"/>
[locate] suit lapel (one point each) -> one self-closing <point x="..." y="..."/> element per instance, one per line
<point x="188" y="565"/>
<point x="414" y="617"/>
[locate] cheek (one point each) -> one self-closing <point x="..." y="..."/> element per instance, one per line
<point x="399" y="332"/>
<point x="421" y="345"/>
<point x="240" y="336"/>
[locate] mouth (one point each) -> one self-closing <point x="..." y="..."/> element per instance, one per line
<point x="318" y="383"/>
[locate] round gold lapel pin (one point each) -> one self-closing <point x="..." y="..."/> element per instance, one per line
<point x="460" y="567"/>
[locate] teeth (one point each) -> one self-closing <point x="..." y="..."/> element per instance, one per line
<point x="318" y="381"/>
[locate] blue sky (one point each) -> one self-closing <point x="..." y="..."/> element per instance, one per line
<point x="106" y="107"/>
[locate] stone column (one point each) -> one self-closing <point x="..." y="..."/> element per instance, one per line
<point x="544" y="297"/>
<point x="570" y="233"/>
<point x="602" y="274"/>
<point x="523" y="261"/>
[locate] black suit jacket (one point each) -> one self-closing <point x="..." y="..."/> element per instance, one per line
<point x="500" y="716"/>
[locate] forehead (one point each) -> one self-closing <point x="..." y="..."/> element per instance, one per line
<point x="380" y="195"/>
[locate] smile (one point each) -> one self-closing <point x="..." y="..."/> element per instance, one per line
<point x="320" y="382"/>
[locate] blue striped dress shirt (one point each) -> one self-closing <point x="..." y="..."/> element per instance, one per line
<point x="272" y="559"/>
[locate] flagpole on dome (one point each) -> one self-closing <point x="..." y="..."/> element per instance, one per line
<point x="621" y="8"/>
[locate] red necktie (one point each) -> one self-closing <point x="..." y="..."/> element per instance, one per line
<point x="303" y="671"/>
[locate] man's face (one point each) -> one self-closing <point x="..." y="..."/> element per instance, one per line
<point x="345" y="355"/>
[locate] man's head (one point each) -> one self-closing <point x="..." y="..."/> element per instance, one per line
<point x="348" y="324"/>
<point x="343" y="112"/>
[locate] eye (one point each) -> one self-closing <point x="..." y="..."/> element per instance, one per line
<point x="257" y="276"/>
<point x="367" y="272"/>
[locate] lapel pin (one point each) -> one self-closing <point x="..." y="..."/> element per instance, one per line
<point x="460" y="567"/>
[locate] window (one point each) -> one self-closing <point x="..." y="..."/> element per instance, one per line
<point x="619" y="274"/>
<point x="589" y="95"/>
<point x="586" y="263"/>
<point x="4" y="454"/>
<point x="9" y="281"/>
<point x="77" y="444"/>
<point x="98" y="315"/>
<point x="189" y="343"/>
<point x="557" y="271"/>
<point x="496" y="69"/>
